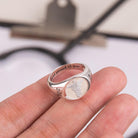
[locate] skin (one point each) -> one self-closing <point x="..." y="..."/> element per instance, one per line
<point x="36" y="112"/>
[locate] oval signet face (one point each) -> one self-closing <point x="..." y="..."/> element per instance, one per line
<point x="76" y="88"/>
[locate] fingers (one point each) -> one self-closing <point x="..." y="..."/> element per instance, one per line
<point x="115" y="117"/>
<point x="112" y="135"/>
<point x="66" y="118"/>
<point x="20" y="110"/>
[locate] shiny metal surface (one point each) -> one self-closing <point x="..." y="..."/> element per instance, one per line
<point x="74" y="87"/>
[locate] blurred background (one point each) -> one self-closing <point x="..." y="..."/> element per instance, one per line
<point x="28" y="28"/>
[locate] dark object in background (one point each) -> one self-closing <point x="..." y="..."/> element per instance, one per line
<point x="61" y="16"/>
<point x="134" y="136"/>
<point x="59" y="25"/>
<point x="59" y="57"/>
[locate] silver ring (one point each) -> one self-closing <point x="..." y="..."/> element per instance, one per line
<point x="74" y="87"/>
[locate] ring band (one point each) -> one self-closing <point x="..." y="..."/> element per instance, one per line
<point x="74" y="87"/>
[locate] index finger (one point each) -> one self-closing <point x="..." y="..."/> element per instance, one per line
<point x="20" y="110"/>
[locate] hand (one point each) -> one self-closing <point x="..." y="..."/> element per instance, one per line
<point x="36" y="112"/>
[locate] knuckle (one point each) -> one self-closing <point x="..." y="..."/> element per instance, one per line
<point x="90" y="132"/>
<point x="50" y="130"/>
<point x="91" y="108"/>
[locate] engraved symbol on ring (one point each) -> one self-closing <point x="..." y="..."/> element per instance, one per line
<point x="59" y="93"/>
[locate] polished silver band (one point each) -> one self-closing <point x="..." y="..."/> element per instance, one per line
<point x="73" y="87"/>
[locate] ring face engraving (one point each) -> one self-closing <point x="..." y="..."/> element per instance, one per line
<point x="74" y="87"/>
